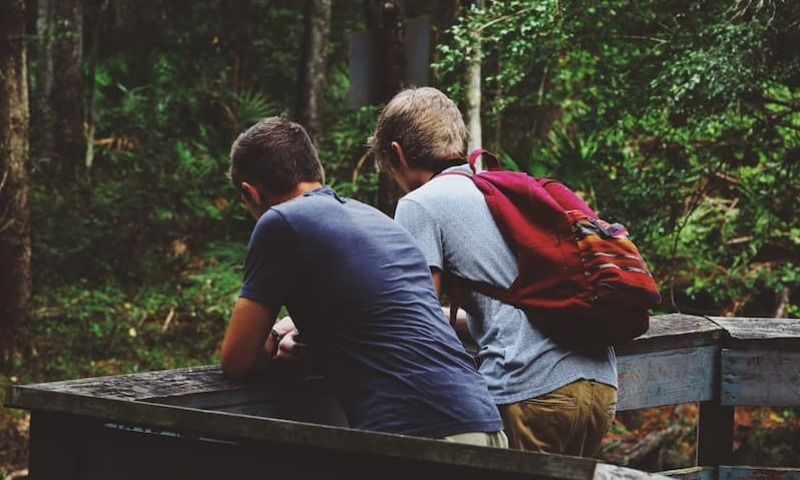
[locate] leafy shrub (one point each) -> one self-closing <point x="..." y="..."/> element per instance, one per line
<point x="115" y="328"/>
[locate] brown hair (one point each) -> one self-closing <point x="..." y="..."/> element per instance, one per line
<point x="275" y="154"/>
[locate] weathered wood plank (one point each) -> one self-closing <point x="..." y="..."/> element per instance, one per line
<point x="605" y="471"/>
<point x="674" y="331"/>
<point x="136" y="386"/>
<point x="760" y="377"/>
<point x="162" y="423"/>
<point x="666" y="378"/>
<point x="692" y="473"/>
<point x="304" y="398"/>
<point x="758" y="473"/>
<point x="763" y="333"/>
<point x="119" y="452"/>
<point x="196" y="386"/>
<point x="130" y="454"/>
<point x="225" y="427"/>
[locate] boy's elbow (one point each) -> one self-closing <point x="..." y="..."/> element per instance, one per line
<point x="235" y="368"/>
<point x="232" y="372"/>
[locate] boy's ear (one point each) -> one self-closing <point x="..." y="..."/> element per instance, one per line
<point x="400" y="154"/>
<point x="251" y="193"/>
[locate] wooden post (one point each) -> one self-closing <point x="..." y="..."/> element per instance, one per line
<point x="758" y="366"/>
<point x="58" y="446"/>
<point x="714" y="434"/>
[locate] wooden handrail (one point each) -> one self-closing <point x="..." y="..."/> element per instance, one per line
<point x="719" y="362"/>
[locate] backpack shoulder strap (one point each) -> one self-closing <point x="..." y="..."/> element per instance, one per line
<point x="565" y="197"/>
<point x="491" y="162"/>
<point x="451" y="284"/>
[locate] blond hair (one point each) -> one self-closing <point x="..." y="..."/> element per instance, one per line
<point x="426" y="124"/>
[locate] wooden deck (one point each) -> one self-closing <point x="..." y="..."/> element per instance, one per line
<point x="194" y="423"/>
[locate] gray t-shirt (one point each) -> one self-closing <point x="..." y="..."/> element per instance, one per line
<point x="453" y="226"/>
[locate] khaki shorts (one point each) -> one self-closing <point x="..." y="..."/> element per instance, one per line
<point x="571" y="420"/>
<point x="494" y="439"/>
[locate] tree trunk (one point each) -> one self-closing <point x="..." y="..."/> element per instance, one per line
<point x="58" y="122"/>
<point x="15" y="245"/>
<point x="447" y="12"/>
<point x="313" y="65"/>
<point x="473" y="94"/>
<point x="42" y="86"/>
<point x="243" y="41"/>
<point x="497" y="126"/>
<point x="386" y="23"/>
<point x="98" y="8"/>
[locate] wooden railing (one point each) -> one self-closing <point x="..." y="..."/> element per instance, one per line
<point x="722" y="363"/>
<point x="194" y="423"/>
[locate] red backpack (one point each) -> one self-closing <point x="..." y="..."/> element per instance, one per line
<point x="581" y="280"/>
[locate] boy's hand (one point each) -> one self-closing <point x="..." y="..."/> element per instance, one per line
<point x="289" y="345"/>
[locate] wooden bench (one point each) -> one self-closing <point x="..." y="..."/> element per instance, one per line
<point x="194" y="423"/>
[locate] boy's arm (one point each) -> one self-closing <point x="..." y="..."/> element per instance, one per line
<point x="248" y="345"/>
<point x="461" y="316"/>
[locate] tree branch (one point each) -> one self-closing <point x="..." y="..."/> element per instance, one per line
<point x="504" y="18"/>
<point x="791" y="106"/>
<point x="657" y="40"/>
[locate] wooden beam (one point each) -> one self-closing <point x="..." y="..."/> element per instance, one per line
<point x="761" y="333"/>
<point x="692" y="473"/>
<point x="667" y="377"/>
<point x="760" y="377"/>
<point x="674" y="331"/>
<point x="758" y="473"/>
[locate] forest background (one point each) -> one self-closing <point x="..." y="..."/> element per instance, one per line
<point x="121" y="241"/>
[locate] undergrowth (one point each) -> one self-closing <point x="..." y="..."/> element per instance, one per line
<point x="85" y="330"/>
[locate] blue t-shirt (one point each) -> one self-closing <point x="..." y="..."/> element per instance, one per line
<point x="360" y="291"/>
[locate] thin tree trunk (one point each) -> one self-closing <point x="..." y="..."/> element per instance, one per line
<point x="473" y="96"/>
<point x="100" y="7"/>
<point x="395" y="62"/>
<point x="783" y="299"/>
<point x="497" y="131"/>
<point x="67" y="95"/>
<point x="313" y="65"/>
<point x="15" y="246"/>
<point x="243" y="11"/>
<point x="445" y="15"/>
<point x="41" y="111"/>
<point x="386" y="23"/>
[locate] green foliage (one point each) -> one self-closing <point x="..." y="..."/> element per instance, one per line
<point x="115" y="328"/>
<point x="247" y="108"/>
<point x="679" y="119"/>
<point x="136" y="261"/>
<point x="768" y="437"/>
<point x="166" y="109"/>
<point x="342" y="145"/>
<point x="343" y="148"/>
